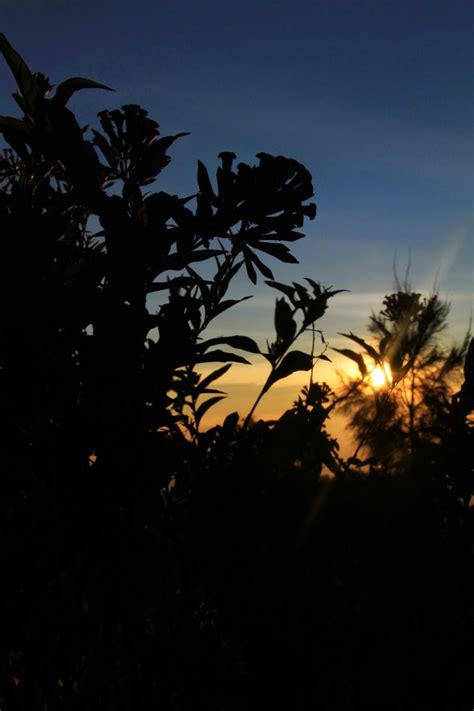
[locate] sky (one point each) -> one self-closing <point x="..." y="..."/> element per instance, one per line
<point x="374" y="97"/>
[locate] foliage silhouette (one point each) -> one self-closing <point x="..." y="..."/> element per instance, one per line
<point x="101" y="446"/>
<point x="395" y="419"/>
<point x="148" y="563"/>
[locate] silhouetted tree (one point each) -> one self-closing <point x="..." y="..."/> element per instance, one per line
<point x="417" y="374"/>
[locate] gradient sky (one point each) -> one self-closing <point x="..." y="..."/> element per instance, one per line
<point x="375" y="98"/>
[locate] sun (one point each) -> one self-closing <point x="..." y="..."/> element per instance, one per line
<point x="380" y="376"/>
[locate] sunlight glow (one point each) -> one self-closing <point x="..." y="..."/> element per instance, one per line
<point x="380" y="376"/>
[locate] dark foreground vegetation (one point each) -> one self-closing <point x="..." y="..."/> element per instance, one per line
<point x="147" y="563"/>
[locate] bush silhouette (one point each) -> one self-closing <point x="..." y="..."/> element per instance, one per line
<point x="148" y="563"/>
<point x="101" y="400"/>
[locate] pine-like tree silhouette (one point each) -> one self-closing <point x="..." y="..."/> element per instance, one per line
<point x="395" y="417"/>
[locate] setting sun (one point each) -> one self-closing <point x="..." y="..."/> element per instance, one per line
<point x="380" y="376"/>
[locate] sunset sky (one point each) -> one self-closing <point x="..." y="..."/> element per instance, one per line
<point x="375" y="98"/>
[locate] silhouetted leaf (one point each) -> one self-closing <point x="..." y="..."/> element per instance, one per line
<point x="280" y="251"/>
<point x="225" y="175"/>
<point x="252" y="274"/>
<point x="317" y="291"/>
<point x="16" y="133"/>
<point x="211" y="391"/>
<point x="333" y="292"/>
<point x="229" y="425"/>
<point x="322" y="356"/>
<point x="227" y="304"/>
<point x="204" y="183"/>
<point x="204" y="407"/>
<point x="315" y="310"/>
<point x="291" y="363"/>
<point x="164" y="143"/>
<point x="370" y="349"/>
<point x="290" y="236"/>
<point x="27" y="83"/>
<point x="243" y="342"/>
<point x="202" y="284"/>
<point x="356" y="357"/>
<point x="285" y="324"/>
<point x="204" y="216"/>
<point x="332" y="463"/>
<point x="213" y="376"/>
<point x="219" y="356"/>
<point x="386" y="340"/>
<point x="15" y="125"/>
<point x="303" y="293"/>
<point x="66" y="89"/>
<point x="285" y="288"/>
<point x="266" y="271"/>
<point x="154" y="159"/>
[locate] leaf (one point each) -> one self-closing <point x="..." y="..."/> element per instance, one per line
<point x="201" y="283"/>
<point x="204" y="407"/>
<point x="243" y="342"/>
<point x="225" y="176"/>
<point x="8" y="123"/>
<point x="28" y="85"/>
<point x="332" y="464"/>
<point x="251" y="273"/>
<point x="17" y="134"/>
<point x="291" y="236"/>
<point x="18" y="146"/>
<point x="227" y="304"/>
<point x="230" y="274"/>
<point x="219" y="356"/>
<point x="315" y="310"/>
<point x="285" y="288"/>
<point x="108" y="153"/>
<point x="356" y="357"/>
<point x="321" y="356"/>
<point x="370" y="349"/>
<point x="154" y="159"/>
<point x="291" y="363"/>
<point x="266" y="271"/>
<point x="165" y="142"/>
<point x="280" y="251"/>
<point x="213" y="376"/>
<point x="383" y="344"/>
<point x="66" y="89"/>
<point x="302" y="293"/>
<point x="229" y="424"/>
<point x="276" y="233"/>
<point x="285" y="324"/>
<point x="204" y="216"/>
<point x="204" y="183"/>
<point x="333" y="292"/>
<point x="316" y="286"/>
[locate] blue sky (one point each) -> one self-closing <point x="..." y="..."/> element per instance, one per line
<point x="375" y="98"/>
